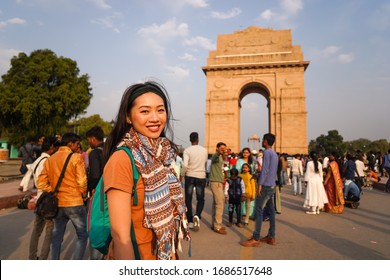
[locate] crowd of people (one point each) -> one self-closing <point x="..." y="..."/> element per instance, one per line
<point x="249" y="183"/>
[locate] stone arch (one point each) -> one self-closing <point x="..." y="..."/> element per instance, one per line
<point x="256" y="87"/>
<point x="262" y="60"/>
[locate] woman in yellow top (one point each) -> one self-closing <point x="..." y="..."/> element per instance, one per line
<point x="250" y="189"/>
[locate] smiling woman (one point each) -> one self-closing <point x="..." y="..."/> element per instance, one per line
<point x="159" y="216"/>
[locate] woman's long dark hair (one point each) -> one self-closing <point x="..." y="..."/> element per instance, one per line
<point x="250" y="161"/>
<point x="314" y="157"/>
<point x="250" y="171"/>
<point x="121" y="127"/>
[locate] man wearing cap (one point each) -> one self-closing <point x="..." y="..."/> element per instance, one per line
<point x="194" y="170"/>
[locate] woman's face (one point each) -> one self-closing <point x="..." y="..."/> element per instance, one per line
<point x="148" y="115"/>
<point x="245" y="154"/>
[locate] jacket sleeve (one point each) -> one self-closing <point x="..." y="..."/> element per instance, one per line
<point x="81" y="176"/>
<point x="43" y="178"/>
<point x="95" y="168"/>
<point x="300" y="169"/>
<point x="185" y="163"/>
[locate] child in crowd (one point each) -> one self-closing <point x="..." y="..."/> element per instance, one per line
<point x="234" y="191"/>
<point x="250" y="189"/>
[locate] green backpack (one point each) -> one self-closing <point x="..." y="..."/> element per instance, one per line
<point x="98" y="221"/>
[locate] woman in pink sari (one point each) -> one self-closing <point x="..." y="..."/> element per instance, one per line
<point x="334" y="187"/>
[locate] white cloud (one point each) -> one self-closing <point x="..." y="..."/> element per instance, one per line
<point x="18" y="21"/>
<point x="200" y="41"/>
<point x="333" y="52"/>
<point x="168" y="29"/>
<point x="329" y="51"/>
<point x="5" y="59"/>
<point x="108" y="22"/>
<point x="291" y="6"/>
<point x="267" y="14"/>
<point x="346" y="58"/>
<point x="157" y="36"/>
<point x="197" y="3"/>
<point x="230" y="14"/>
<point x="284" y="14"/>
<point x="177" y="71"/>
<point x="188" y="57"/>
<point x="101" y="4"/>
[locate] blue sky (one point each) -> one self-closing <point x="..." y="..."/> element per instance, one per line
<point x="118" y="43"/>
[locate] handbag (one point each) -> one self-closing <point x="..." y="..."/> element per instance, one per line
<point x="23" y="169"/>
<point x="47" y="203"/>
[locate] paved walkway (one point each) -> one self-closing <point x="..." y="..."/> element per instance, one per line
<point x="10" y="178"/>
<point x="358" y="234"/>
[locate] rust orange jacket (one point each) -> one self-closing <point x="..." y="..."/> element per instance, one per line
<point x="74" y="183"/>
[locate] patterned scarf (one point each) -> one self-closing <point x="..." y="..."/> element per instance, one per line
<point x="163" y="204"/>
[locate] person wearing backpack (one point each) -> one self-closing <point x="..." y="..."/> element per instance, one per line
<point x="95" y="136"/>
<point x="26" y="152"/>
<point x="234" y="194"/>
<point x="159" y="218"/>
<point x="48" y="148"/>
<point x="71" y="194"/>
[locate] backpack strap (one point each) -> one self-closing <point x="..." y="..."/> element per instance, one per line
<point x="36" y="167"/>
<point x="135" y="172"/>
<point x="135" y="198"/>
<point x="28" y="153"/>
<point x="134" y="242"/>
<point x="62" y="173"/>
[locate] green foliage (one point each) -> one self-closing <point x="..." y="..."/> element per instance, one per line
<point x="325" y="144"/>
<point x="40" y="93"/>
<point x="82" y="125"/>
<point x="366" y="145"/>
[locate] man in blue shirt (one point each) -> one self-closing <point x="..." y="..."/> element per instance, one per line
<point x="351" y="189"/>
<point x="386" y="166"/>
<point x="265" y="194"/>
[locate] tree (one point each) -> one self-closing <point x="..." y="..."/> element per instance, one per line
<point x="325" y="144"/>
<point x="84" y="124"/>
<point x="380" y="145"/>
<point x="40" y="93"/>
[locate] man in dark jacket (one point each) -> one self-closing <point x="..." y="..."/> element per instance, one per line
<point x="95" y="137"/>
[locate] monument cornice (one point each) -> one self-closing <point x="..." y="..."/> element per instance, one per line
<point x="241" y="66"/>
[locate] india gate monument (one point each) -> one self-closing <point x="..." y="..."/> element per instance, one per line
<point x="262" y="61"/>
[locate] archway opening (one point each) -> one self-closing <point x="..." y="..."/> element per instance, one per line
<point x="254" y="115"/>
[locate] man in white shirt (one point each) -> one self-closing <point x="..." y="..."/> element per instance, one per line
<point x="296" y="174"/>
<point x="48" y="148"/>
<point x="194" y="170"/>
